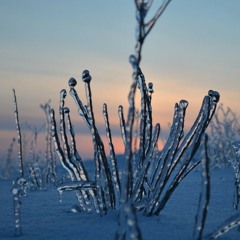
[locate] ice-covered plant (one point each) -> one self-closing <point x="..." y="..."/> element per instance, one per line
<point x="19" y="138"/>
<point x="224" y="131"/>
<point x="204" y="197"/>
<point x="50" y="158"/>
<point x="19" y="190"/>
<point x="236" y="167"/>
<point x="34" y="171"/>
<point x="20" y="184"/>
<point x="201" y="216"/>
<point x="148" y="180"/>
<point x="230" y="223"/>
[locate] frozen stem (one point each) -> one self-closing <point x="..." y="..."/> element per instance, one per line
<point x="20" y="146"/>
<point x="204" y="197"/>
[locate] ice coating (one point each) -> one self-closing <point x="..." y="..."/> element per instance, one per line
<point x="133" y="61"/>
<point x="20" y="146"/>
<point x="86" y="77"/>
<point x="122" y="123"/>
<point x="236" y="147"/>
<point x="229" y="224"/>
<point x="60" y="194"/>
<point x="174" y="153"/>
<point x="222" y="135"/>
<point x="63" y="93"/>
<point x="19" y="189"/>
<point x="143" y="28"/>
<point x="72" y="82"/>
<point x="183" y="103"/>
<point x="128" y="223"/>
<point x="235" y="162"/>
<point x="113" y="163"/>
<point x="66" y="110"/>
<point x="150" y="87"/>
<point x="104" y="184"/>
<point x="51" y="175"/>
<point x="149" y="176"/>
<point x="204" y="196"/>
<point x="82" y="187"/>
<point x="214" y="95"/>
<point x="67" y="161"/>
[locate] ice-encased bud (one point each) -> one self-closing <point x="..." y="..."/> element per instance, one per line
<point x="22" y="181"/>
<point x="66" y="110"/>
<point x="72" y="82"/>
<point x="183" y="103"/>
<point x="214" y="95"/>
<point x="63" y="93"/>
<point x="150" y="87"/>
<point x="86" y="77"/>
<point x="20" y="187"/>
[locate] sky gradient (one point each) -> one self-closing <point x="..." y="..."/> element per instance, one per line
<point x="194" y="47"/>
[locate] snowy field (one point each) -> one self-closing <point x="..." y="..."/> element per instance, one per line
<point x="44" y="217"/>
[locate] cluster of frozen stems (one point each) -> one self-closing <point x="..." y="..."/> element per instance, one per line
<point x="149" y="177"/>
<point x="224" y="131"/>
<point x="149" y="182"/>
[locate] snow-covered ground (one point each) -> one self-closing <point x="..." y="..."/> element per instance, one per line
<point x="44" y="217"/>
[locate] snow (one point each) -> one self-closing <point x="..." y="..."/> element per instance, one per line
<point x="44" y="217"/>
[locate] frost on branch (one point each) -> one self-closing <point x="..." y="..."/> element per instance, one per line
<point x="224" y="131"/>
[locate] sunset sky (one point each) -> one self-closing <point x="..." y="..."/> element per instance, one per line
<point x="194" y="47"/>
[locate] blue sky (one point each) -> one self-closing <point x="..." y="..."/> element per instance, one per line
<point x="194" y="47"/>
